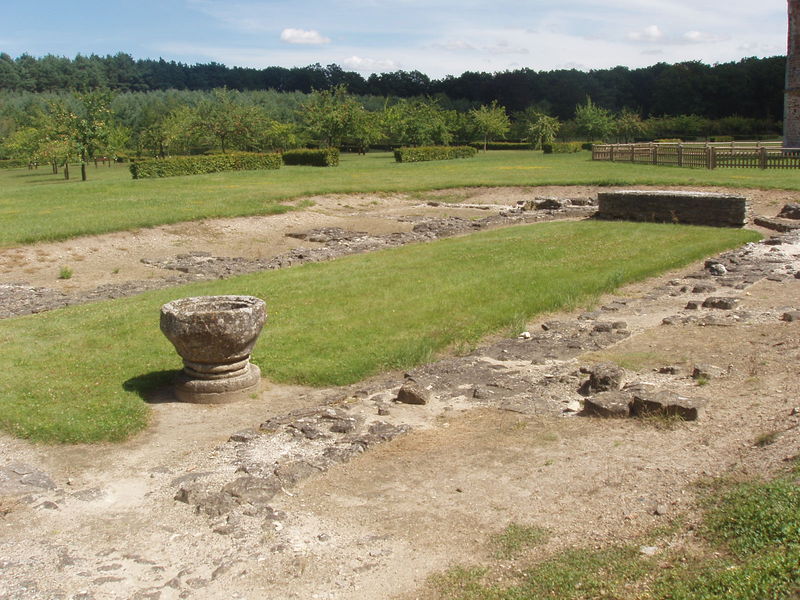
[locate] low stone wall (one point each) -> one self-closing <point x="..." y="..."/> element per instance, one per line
<point x="689" y="208"/>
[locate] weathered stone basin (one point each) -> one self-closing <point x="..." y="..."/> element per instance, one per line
<point x="214" y="335"/>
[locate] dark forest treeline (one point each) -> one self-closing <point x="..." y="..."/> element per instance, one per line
<point x="751" y="87"/>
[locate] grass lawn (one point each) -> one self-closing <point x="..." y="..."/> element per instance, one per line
<point x="79" y="374"/>
<point x="36" y="205"/>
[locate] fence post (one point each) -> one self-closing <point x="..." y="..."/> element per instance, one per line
<point x="762" y="157"/>
<point x="680" y="155"/>
<point x="712" y="158"/>
<point x="612" y="152"/>
<point x="633" y="152"/>
<point x="654" y="153"/>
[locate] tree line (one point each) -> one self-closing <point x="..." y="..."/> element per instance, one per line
<point x="78" y="127"/>
<point x="750" y="88"/>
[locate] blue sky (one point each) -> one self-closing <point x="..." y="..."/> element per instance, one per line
<point x="437" y="37"/>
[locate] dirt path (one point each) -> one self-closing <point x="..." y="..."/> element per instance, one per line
<point x="497" y="442"/>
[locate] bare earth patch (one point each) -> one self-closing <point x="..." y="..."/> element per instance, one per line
<point x="498" y="441"/>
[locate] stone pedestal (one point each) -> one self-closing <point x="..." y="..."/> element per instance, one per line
<point x="215" y="336"/>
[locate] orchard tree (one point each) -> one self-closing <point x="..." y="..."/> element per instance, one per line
<point x="224" y="118"/>
<point x="329" y="116"/>
<point x="629" y="126"/>
<point x="84" y="129"/>
<point x="594" y="122"/>
<point x="491" y="122"/>
<point x="417" y="122"/>
<point x="543" y="129"/>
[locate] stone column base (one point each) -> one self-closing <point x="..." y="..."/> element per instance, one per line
<point x="218" y="391"/>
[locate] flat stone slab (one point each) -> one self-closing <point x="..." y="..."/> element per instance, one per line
<point x="668" y="206"/>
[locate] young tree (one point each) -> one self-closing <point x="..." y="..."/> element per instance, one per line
<point x="543" y="129"/>
<point x="331" y="115"/>
<point x="225" y="119"/>
<point x="629" y="126"/>
<point x="417" y="122"/>
<point x="491" y="121"/>
<point x="594" y="122"/>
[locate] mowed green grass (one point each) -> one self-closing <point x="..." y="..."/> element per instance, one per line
<point x="36" y="205"/>
<point x="80" y="374"/>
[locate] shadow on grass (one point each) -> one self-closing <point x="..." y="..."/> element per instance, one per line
<point x="153" y="388"/>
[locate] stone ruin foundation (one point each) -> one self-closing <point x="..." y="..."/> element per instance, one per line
<point x="684" y="207"/>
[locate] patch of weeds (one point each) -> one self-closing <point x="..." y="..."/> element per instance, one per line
<point x="662" y="421"/>
<point x="584" y="574"/>
<point x="115" y="271"/>
<point x="766" y="438"/>
<point x="461" y="583"/>
<point x="515" y="539"/>
<point x="65" y="273"/>
<point x="701" y="381"/>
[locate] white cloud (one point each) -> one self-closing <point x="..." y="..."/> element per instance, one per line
<point x="304" y="36"/>
<point x="701" y="37"/>
<point x="651" y="33"/>
<point x="370" y="65"/>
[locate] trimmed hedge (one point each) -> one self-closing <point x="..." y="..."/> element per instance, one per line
<point x="562" y="147"/>
<point x="197" y="165"/>
<point x="502" y="145"/>
<point x="423" y="153"/>
<point x="15" y="163"/>
<point x="326" y="157"/>
<point x="668" y="141"/>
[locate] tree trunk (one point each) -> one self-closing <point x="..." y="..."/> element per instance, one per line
<point x="83" y="167"/>
<point x="486" y="140"/>
<point x="66" y="169"/>
<point x="791" y="99"/>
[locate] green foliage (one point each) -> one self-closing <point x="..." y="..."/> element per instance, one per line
<point x="325" y="157"/>
<point x="14" y="163"/>
<point x="425" y="153"/>
<point x="594" y="122"/>
<point x="417" y="122"/>
<point x="751" y="517"/>
<point x="721" y="138"/>
<point x="543" y="129"/>
<point x="331" y="116"/>
<point x="562" y="147"/>
<point x="65" y="273"/>
<point x="490" y="121"/>
<point x="471" y="288"/>
<point x="629" y="126"/>
<point x="516" y="538"/>
<point x="196" y="165"/>
<point x="502" y="145"/>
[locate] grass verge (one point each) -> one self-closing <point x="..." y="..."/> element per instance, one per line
<point x="79" y="374"/>
<point x="36" y="205"/>
<point x="748" y="549"/>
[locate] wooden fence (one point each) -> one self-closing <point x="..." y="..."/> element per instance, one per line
<point x="739" y="155"/>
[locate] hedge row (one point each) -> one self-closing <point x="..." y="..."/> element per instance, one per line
<point x="423" y="153"/>
<point x="14" y="163"/>
<point x="502" y="145"/>
<point x="196" y="165"/>
<point x="562" y="147"/>
<point x="327" y="157"/>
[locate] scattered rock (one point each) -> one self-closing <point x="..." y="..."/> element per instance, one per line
<point x="549" y="204"/>
<point x="790" y="211"/>
<point x="614" y="404"/>
<point x="412" y="393"/>
<point x="604" y="377"/>
<point x="692" y="305"/>
<point x="703" y="288"/>
<point x="790" y="316"/>
<point x="667" y="403"/>
<point x="707" y="372"/>
<point x="720" y="302"/>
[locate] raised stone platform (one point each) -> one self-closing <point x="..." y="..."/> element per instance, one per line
<point x="668" y="206"/>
